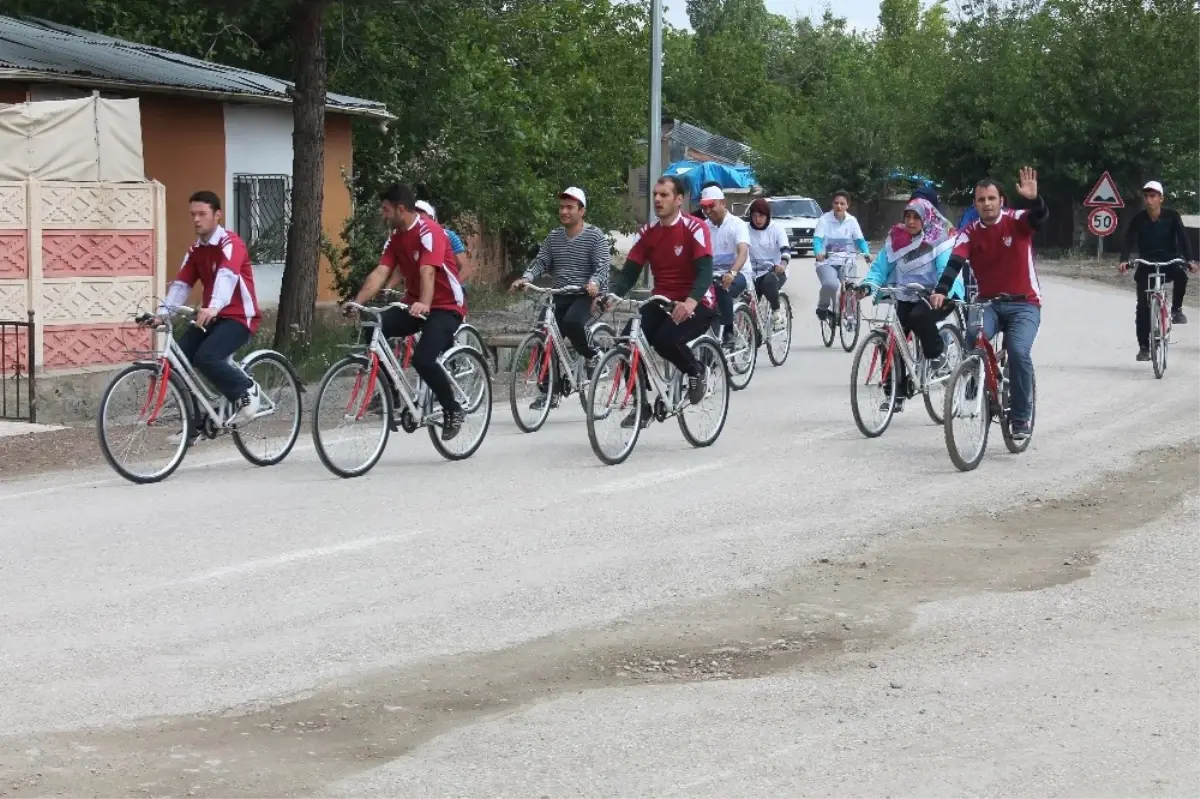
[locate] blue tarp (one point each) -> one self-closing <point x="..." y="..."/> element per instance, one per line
<point x="695" y="174"/>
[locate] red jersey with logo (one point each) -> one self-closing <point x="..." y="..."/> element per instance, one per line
<point x="426" y="244"/>
<point x="222" y="265"/>
<point x="671" y="251"/>
<point x="1001" y="255"/>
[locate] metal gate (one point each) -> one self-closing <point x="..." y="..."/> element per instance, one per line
<point x="17" y="398"/>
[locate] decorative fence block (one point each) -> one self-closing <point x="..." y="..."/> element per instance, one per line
<point x="74" y="346"/>
<point x="14" y="300"/>
<point x="14" y="254"/>
<point x="95" y="299"/>
<point x="12" y="205"/>
<point x="96" y="205"/>
<point x="98" y="253"/>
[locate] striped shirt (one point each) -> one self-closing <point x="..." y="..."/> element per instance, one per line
<point x="573" y="261"/>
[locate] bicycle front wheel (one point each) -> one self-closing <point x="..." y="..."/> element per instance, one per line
<point x="268" y="438"/>
<point x="829" y="324"/>
<point x="851" y="322"/>
<point x="701" y="424"/>
<point x="352" y="417"/>
<point x="1158" y="339"/>
<point x="144" y="422"/>
<point x="615" y="407"/>
<point x="745" y="354"/>
<point x="780" y="341"/>
<point x="472" y="386"/>
<point x="873" y="385"/>
<point x="966" y="415"/>
<point x="531" y="383"/>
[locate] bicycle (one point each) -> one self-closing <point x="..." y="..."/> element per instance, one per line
<point x="377" y="386"/>
<point x="779" y="341"/>
<point x="176" y="394"/>
<point x="1160" y="312"/>
<point x="541" y="361"/>
<point x="846" y="320"/>
<point x="742" y="354"/>
<point x="964" y="400"/>
<point x="886" y="339"/>
<point x="467" y="335"/>
<point x="631" y="378"/>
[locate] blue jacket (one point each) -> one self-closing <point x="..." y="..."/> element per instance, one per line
<point x="881" y="272"/>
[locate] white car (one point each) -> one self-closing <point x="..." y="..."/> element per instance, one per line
<point x="798" y="217"/>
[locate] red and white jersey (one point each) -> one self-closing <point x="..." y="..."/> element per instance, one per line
<point x="425" y="243"/>
<point x="671" y="251"/>
<point x="1001" y="255"/>
<point x="222" y="265"/>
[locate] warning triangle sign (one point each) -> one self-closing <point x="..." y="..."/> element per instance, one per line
<point x="1104" y="194"/>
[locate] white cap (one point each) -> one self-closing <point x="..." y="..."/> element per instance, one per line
<point x="427" y="208"/>
<point x="711" y="195"/>
<point x="1153" y="185"/>
<point x="575" y="193"/>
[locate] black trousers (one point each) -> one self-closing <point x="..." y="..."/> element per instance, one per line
<point x="437" y="335"/>
<point x="573" y="312"/>
<point x="1175" y="275"/>
<point x="922" y="321"/>
<point x="670" y="340"/>
<point x="768" y="285"/>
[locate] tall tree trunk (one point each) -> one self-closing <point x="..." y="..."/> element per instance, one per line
<point x="298" y="294"/>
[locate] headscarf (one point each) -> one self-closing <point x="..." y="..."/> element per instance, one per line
<point x="928" y="193"/>
<point x="760" y="206"/>
<point x="936" y="231"/>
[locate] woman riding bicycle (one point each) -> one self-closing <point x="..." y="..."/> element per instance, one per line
<point x="917" y="251"/>
<point x="769" y="255"/>
<point x="834" y="241"/>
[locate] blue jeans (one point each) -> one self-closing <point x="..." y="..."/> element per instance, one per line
<point x="725" y="298"/>
<point x="1020" y="322"/>
<point x="208" y="352"/>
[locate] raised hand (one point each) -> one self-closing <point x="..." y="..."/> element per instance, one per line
<point x="1027" y="187"/>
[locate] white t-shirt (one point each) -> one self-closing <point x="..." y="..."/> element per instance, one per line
<point x="768" y="247"/>
<point x="725" y="239"/>
<point x="840" y="238"/>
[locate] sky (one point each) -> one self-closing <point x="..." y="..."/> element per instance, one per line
<point x="861" y="14"/>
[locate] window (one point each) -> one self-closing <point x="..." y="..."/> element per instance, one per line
<point x="643" y="184"/>
<point x="262" y="206"/>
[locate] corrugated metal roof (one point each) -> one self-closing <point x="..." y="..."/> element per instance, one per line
<point x="37" y="46"/>
<point x="700" y="139"/>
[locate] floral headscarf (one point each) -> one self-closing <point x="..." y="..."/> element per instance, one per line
<point x="936" y="231"/>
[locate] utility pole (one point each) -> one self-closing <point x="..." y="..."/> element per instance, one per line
<point x="654" y="162"/>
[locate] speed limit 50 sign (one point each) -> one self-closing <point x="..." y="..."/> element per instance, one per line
<point x="1102" y="221"/>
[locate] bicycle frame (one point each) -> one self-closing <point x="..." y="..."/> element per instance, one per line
<point x="1156" y="284"/>
<point x="171" y="358"/>
<point x="898" y="340"/>
<point x="557" y="347"/>
<point x="987" y="348"/>
<point x="662" y="387"/>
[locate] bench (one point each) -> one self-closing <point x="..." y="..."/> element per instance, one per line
<point x="500" y="342"/>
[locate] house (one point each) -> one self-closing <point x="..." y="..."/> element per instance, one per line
<point x="203" y="126"/>
<point x="682" y="141"/>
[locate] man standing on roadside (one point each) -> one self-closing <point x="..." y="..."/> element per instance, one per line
<point x="731" y="249"/>
<point x="1157" y="234"/>
<point x="576" y="254"/>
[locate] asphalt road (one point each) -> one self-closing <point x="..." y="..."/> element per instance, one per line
<point x="795" y="610"/>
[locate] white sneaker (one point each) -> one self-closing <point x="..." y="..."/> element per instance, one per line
<point x="247" y="405"/>
<point x="777" y="319"/>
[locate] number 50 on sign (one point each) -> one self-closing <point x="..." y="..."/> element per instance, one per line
<point x="1102" y="221"/>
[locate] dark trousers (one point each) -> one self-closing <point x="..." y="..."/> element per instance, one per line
<point x="768" y="285"/>
<point x="922" y="321"/>
<point x="208" y="351"/>
<point x="573" y="312"/>
<point x="437" y="335"/>
<point x="670" y="340"/>
<point x="1175" y="275"/>
<point x="725" y="298"/>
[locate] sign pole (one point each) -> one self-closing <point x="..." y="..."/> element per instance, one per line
<point x="654" y="162"/>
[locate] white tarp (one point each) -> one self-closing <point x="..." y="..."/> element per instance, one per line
<point x="89" y="139"/>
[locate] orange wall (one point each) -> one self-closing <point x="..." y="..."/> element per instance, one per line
<point x="12" y="92"/>
<point x="339" y="152"/>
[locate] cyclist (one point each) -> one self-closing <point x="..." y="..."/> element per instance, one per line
<point x="419" y="250"/>
<point x="917" y="251"/>
<point x="837" y="234"/>
<point x="230" y="314"/>
<point x="456" y="243"/>
<point x="577" y="254"/>
<point x="769" y="256"/>
<point x="731" y="248"/>
<point x="999" y="246"/>
<point x="679" y="250"/>
<point x="1157" y="234"/>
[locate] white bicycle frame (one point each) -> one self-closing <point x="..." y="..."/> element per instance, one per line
<point x="891" y="321"/>
<point x="421" y="407"/>
<point x="572" y="369"/>
<point x="668" y="387"/>
<point x="1156" y="284"/>
<point x="211" y="402"/>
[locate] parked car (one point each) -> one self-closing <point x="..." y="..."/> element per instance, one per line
<point x="798" y="217"/>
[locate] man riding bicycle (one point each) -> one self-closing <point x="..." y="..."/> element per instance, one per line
<point x="1157" y="234"/>
<point x="731" y="249"/>
<point x="229" y="315"/>
<point x="419" y="249"/>
<point x="999" y="246"/>
<point x="836" y="236"/>
<point x="576" y="254"/>
<point x="678" y="248"/>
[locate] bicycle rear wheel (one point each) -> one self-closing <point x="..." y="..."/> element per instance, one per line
<point x="353" y="400"/>
<point x="616" y="402"/>
<point x="469" y="336"/>
<point x="472" y="386"/>
<point x="873" y="385"/>
<point x="850" y="322"/>
<point x="935" y="383"/>
<point x="745" y="355"/>
<point x="1014" y="446"/>
<point x="156" y="417"/>
<point x="603" y="339"/>
<point x="779" y="344"/>
<point x="1158" y="341"/>
<point x="966" y="415"/>
<point x="268" y="438"/>
<point x="701" y="424"/>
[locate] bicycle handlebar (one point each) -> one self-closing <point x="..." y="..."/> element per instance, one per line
<point x="1159" y="264"/>
<point x="376" y="310"/>
<point x="563" y="290"/>
<point x="611" y="299"/>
